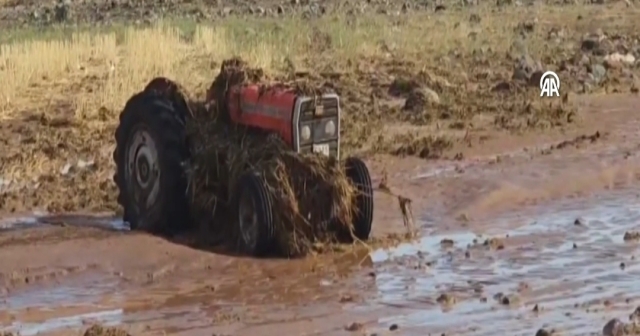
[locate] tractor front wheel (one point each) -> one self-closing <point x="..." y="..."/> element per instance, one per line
<point x="150" y="149"/>
<point x="255" y="215"/>
<point x="358" y="173"/>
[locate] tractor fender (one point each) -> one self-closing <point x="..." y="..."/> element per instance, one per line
<point x="171" y="91"/>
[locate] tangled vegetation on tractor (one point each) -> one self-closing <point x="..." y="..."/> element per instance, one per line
<point x="258" y="164"/>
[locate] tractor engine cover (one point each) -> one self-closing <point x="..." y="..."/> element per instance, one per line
<point x="306" y="123"/>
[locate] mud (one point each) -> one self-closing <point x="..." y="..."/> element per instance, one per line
<point x="532" y="240"/>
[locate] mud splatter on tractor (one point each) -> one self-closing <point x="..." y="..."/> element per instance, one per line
<point x="268" y="154"/>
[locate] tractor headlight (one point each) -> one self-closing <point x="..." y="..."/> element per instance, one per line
<point x="330" y="128"/>
<point x="305" y="133"/>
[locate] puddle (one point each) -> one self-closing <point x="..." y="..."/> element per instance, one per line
<point x="79" y="299"/>
<point x="39" y="218"/>
<point x="569" y="270"/>
<point x="23" y="222"/>
<point x="570" y="282"/>
<point x="106" y="318"/>
<point x="434" y="172"/>
<point x="86" y="291"/>
<point x="448" y="167"/>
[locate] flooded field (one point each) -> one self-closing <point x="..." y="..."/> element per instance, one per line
<point x="552" y="271"/>
<point x="526" y="207"/>
<point x="569" y="261"/>
<point x="532" y="240"/>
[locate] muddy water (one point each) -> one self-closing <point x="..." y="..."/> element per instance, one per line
<point x="553" y="221"/>
<point x="571" y="271"/>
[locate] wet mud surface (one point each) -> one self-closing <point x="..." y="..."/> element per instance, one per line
<point x="527" y="236"/>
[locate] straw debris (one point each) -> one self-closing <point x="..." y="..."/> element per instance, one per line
<point x="306" y="189"/>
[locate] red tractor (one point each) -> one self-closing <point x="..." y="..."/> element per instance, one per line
<point x="152" y="152"/>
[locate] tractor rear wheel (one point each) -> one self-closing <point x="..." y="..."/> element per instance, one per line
<point x="255" y="215"/>
<point x="150" y="151"/>
<point x="358" y="174"/>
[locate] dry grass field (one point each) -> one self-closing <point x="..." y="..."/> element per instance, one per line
<point x="423" y="83"/>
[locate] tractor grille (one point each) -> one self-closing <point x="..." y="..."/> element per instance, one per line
<point x="319" y="125"/>
<point x="308" y="108"/>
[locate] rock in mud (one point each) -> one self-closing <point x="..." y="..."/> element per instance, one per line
<point x="631" y="236"/>
<point x="346" y="298"/>
<point x="626" y="59"/>
<point x="556" y="33"/>
<point x="66" y="170"/>
<point x="632" y="329"/>
<point x="590" y="44"/>
<point x="506" y="299"/>
<point x="524" y="68"/>
<point x="635" y="316"/>
<point x="355" y="326"/>
<point x="523" y="287"/>
<point x="510" y="300"/>
<point x="536" y="76"/>
<point x="447" y="242"/>
<point x="494" y="243"/>
<point x="4" y="184"/>
<point x="503" y="86"/>
<point x="82" y="164"/>
<point x="598" y="72"/>
<point x="97" y="330"/>
<point x="419" y="99"/>
<point x="544" y="332"/>
<point x="614" y="327"/>
<point x="401" y="87"/>
<point x="446" y="299"/>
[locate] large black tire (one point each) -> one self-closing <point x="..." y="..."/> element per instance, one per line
<point x="151" y="148"/>
<point x="358" y="174"/>
<point x="254" y="211"/>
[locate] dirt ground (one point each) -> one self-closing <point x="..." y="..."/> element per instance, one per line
<point x="522" y="203"/>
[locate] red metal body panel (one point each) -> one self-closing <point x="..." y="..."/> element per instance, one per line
<point x="270" y="109"/>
